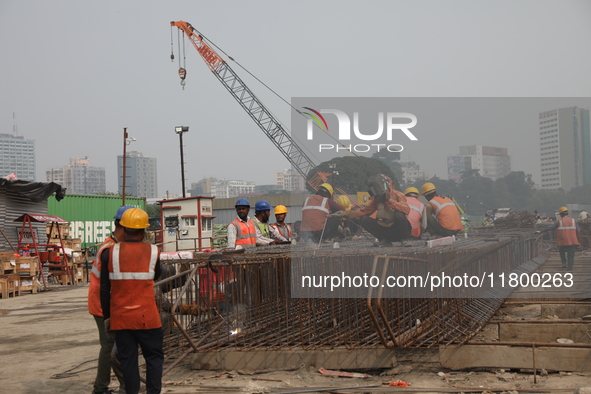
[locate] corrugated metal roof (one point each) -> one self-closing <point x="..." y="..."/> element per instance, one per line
<point x="13" y="206"/>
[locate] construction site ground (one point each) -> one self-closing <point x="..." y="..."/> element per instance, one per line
<point x="49" y="344"/>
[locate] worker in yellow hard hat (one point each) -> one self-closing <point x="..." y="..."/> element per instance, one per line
<point x="317" y="221"/>
<point x="417" y="215"/>
<point x="443" y="217"/>
<point x="347" y="227"/>
<point x="386" y="215"/>
<point x="128" y="272"/>
<point x="280" y="227"/>
<point x="567" y="237"/>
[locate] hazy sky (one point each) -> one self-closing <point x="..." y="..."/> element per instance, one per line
<point x="77" y="72"/>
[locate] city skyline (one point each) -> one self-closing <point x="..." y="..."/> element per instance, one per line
<point x="74" y="93"/>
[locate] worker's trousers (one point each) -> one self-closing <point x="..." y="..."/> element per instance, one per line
<point x="151" y="343"/>
<point x="103" y="372"/>
<point x="399" y="231"/>
<point x="567" y="254"/>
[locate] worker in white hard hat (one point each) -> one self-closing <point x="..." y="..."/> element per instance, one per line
<point x="567" y="231"/>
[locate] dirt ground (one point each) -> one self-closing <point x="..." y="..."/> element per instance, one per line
<point x="46" y="335"/>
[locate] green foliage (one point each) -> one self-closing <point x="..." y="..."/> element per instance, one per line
<point x="353" y="172"/>
<point x="153" y="210"/>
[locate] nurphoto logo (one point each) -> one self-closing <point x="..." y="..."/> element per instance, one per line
<point x="394" y="122"/>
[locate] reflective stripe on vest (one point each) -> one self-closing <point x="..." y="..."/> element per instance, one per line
<point x="439" y="207"/>
<point x="567" y="232"/>
<point x="118" y="275"/>
<point x="94" y="287"/>
<point x="245" y="232"/>
<point x="447" y="213"/>
<point x="322" y="207"/>
<point x="283" y="230"/>
<point x="314" y="213"/>
<point x="415" y="215"/>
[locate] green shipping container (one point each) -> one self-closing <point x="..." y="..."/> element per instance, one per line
<point x="90" y="216"/>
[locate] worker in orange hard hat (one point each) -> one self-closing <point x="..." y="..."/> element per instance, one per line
<point x="417" y="215"/>
<point x="443" y="217"/>
<point x="317" y="221"/>
<point x="280" y="227"/>
<point x="567" y="237"/>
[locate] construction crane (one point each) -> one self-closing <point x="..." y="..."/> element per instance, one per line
<point x="246" y="98"/>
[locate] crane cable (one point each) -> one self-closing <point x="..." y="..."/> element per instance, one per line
<point x="270" y="89"/>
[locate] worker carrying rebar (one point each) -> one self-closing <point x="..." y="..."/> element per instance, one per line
<point x="417" y="215"/>
<point x="317" y="221"/>
<point x="386" y="215"/>
<point x="567" y="237"/>
<point x="443" y="217"/>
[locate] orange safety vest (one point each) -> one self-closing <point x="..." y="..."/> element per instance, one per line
<point x="94" y="288"/>
<point x="446" y="213"/>
<point x="415" y="215"/>
<point x="131" y="272"/>
<point x="283" y="230"/>
<point x="246" y="233"/>
<point x="314" y="213"/>
<point x="566" y="233"/>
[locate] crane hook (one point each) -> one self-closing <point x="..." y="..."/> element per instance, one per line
<point x="183" y="82"/>
<point x="182" y="73"/>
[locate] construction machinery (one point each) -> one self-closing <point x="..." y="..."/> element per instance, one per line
<point x="272" y="128"/>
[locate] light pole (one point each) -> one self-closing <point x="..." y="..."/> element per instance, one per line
<point x="126" y="141"/>
<point x="180" y="130"/>
<point x="467" y="204"/>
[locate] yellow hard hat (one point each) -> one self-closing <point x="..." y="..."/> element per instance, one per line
<point x="344" y="202"/>
<point x="412" y="190"/>
<point x="280" y="209"/>
<point x="427" y="187"/>
<point x="135" y="218"/>
<point x="328" y="187"/>
<point x="563" y="209"/>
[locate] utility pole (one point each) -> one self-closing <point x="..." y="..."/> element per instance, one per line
<point x="180" y="130"/>
<point x="124" y="166"/>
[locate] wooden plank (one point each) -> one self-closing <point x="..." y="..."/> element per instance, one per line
<point x="230" y="360"/>
<point x="491" y="356"/>
<point x="566" y="311"/>
<point x="544" y="331"/>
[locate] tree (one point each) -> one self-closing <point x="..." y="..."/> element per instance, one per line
<point x="391" y="159"/>
<point x="353" y="172"/>
<point x="153" y="210"/>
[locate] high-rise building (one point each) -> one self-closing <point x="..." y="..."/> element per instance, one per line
<point x="79" y="177"/>
<point x="411" y="173"/>
<point x="141" y="175"/>
<point x="205" y="187"/>
<point x="565" y="148"/>
<point x="290" y="180"/>
<point x="17" y="155"/>
<point x="490" y="162"/>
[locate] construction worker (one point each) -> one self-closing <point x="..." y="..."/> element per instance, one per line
<point x="103" y="372"/>
<point x="347" y="227"/>
<point x="262" y="212"/>
<point x="386" y="215"/>
<point x="487" y="221"/>
<point x="567" y="231"/>
<point x="443" y="217"/>
<point x="128" y="271"/>
<point x="417" y="215"/>
<point x="284" y="229"/>
<point x="317" y="221"/>
<point x="242" y="230"/>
